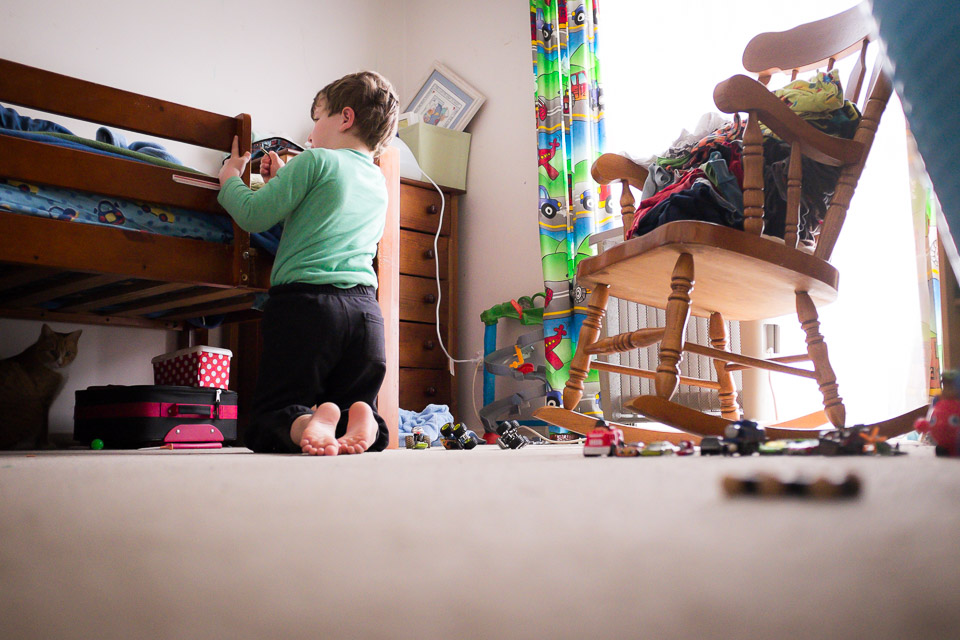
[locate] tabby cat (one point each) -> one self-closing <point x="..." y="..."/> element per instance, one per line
<point x="29" y="382"/>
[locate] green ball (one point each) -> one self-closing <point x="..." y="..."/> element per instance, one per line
<point x="96" y="444"/>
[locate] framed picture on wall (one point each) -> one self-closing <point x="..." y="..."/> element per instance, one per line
<point x="445" y="100"/>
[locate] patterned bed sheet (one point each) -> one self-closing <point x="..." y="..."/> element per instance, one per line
<point x="78" y="206"/>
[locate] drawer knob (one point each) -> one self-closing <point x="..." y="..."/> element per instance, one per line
<point x="432" y="209"/>
<point x="429" y="298"/>
<point x="428" y="254"/>
<point x="431" y="391"/>
<point x="429" y="345"/>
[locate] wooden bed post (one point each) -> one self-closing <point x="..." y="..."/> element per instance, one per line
<point x="242" y="252"/>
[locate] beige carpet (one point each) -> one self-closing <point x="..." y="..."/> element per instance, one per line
<point x="536" y="543"/>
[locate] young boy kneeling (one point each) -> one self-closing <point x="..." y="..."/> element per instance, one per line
<point x="323" y="355"/>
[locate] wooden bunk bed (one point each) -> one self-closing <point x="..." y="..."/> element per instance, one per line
<point x="61" y="271"/>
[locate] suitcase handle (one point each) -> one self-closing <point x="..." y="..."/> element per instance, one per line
<point x="200" y="410"/>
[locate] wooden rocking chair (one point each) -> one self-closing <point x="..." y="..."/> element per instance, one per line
<point x="705" y="269"/>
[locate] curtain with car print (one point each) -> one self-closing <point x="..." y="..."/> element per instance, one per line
<point x="570" y="136"/>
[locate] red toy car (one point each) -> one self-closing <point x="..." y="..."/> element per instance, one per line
<point x="603" y="440"/>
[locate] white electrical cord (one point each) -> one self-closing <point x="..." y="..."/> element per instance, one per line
<point x="436" y="260"/>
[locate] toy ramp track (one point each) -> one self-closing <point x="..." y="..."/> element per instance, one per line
<point x="498" y="364"/>
<point x="579" y="423"/>
<point x="703" y="424"/>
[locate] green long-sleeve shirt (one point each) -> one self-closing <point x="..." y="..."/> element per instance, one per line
<point x="333" y="206"/>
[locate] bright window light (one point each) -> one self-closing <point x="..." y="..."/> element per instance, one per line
<point x="660" y="63"/>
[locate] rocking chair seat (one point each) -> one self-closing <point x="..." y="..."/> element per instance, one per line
<point x="743" y="276"/>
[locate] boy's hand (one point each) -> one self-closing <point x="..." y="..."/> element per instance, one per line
<point x="269" y="165"/>
<point x="234" y="165"/>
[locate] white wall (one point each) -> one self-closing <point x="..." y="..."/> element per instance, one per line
<point x="489" y="47"/>
<point x="228" y="58"/>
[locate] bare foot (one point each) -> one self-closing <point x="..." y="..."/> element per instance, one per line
<point x="361" y="429"/>
<point x="317" y="434"/>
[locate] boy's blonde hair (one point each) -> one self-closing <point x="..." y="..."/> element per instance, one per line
<point x="374" y="102"/>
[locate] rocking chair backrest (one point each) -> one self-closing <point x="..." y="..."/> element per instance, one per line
<point x="811" y="46"/>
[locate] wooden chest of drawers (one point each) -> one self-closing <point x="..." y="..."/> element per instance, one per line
<point x="424" y="373"/>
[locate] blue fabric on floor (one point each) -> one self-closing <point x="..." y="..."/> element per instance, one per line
<point x="431" y="419"/>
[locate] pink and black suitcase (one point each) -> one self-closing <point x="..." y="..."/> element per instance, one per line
<point x="126" y="417"/>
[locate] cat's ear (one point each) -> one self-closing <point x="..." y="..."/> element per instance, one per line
<point x="75" y="336"/>
<point x="46" y="331"/>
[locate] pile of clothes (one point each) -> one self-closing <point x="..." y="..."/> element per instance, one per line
<point x="701" y="176"/>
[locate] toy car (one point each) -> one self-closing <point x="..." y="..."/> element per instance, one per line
<point x="631" y="450"/>
<point x="807" y="447"/>
<point x="603" y="440"/>
<point x="845" y="441"/>
<point x="456" y="436"/>
<point x="743" y="437"/>
<point x="418" y="439"/>
<point x="773" y="447"/>
<point x="711" y="446"/>
<point x="685" y="448"/>
<point x="510" y="437"/>
<point x="659" y="448"/>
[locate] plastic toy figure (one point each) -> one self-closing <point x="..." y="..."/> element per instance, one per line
<point x="456" y="436"/>
<point x="943" y="419"/>
<point x="603" y="440"/>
